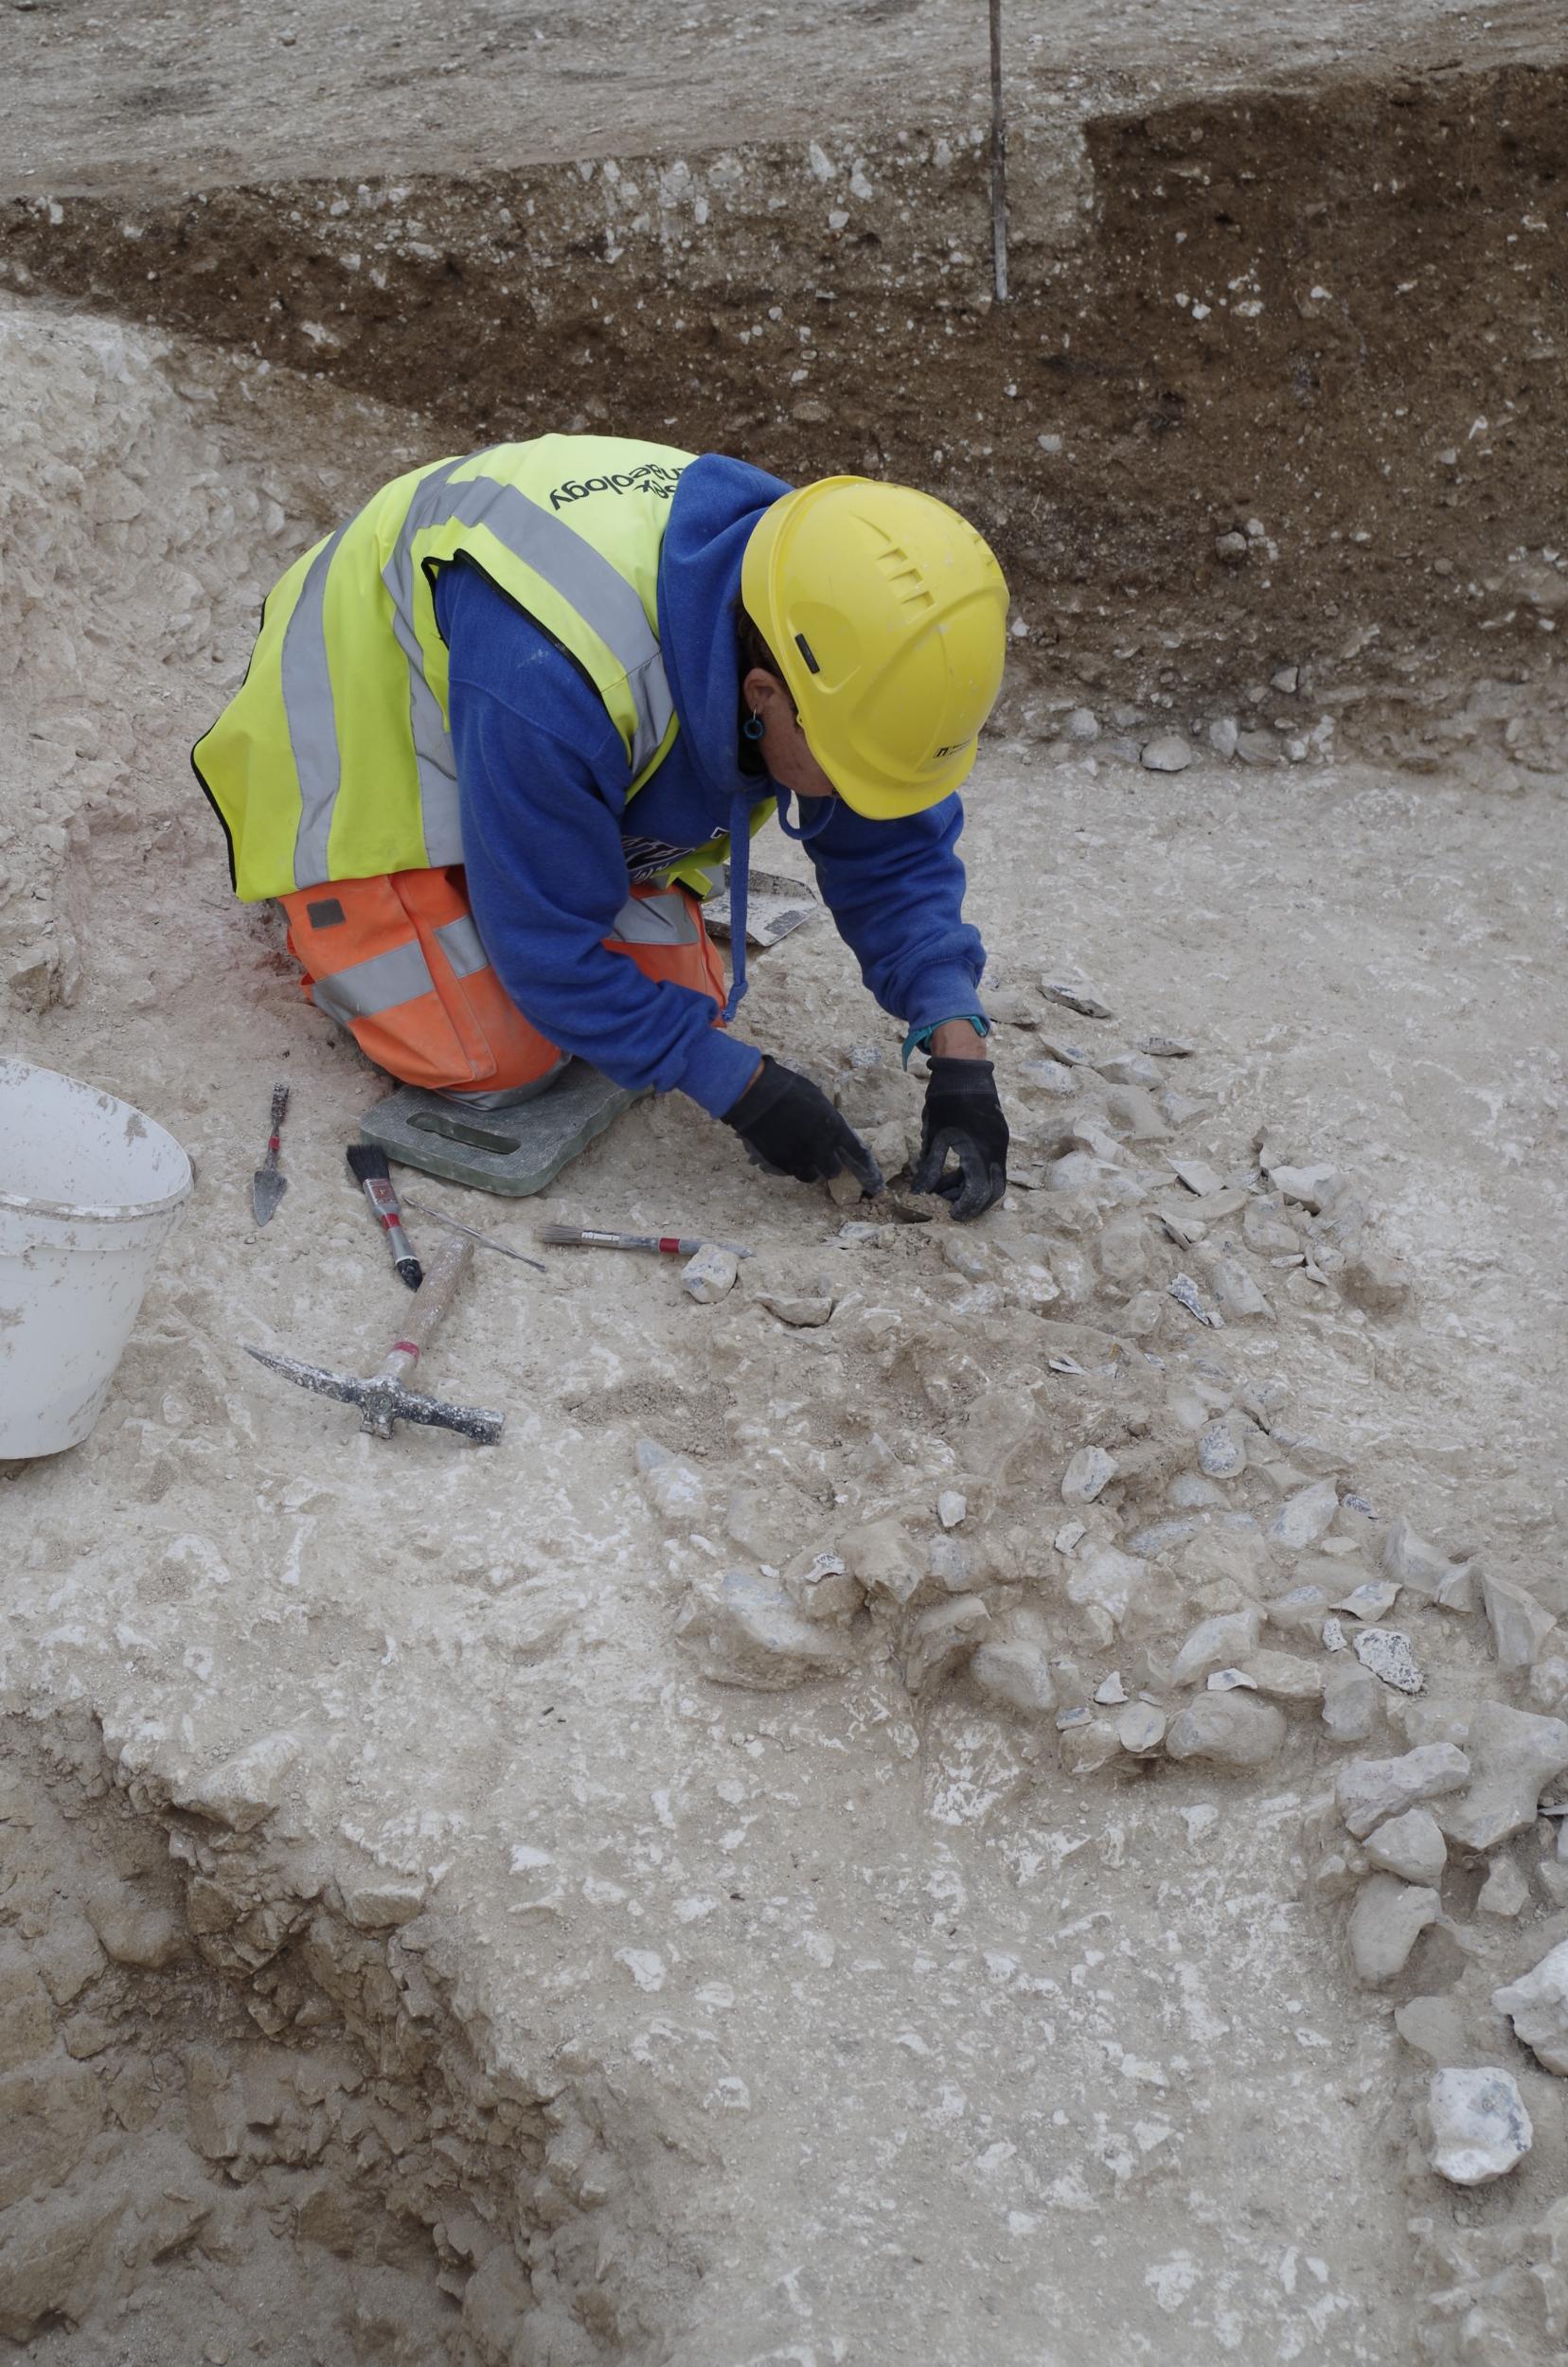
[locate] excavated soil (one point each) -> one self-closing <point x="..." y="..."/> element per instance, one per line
<point x="677" y="1887"/>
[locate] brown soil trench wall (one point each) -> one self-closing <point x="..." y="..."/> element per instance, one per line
<point x="1339" y="313"/>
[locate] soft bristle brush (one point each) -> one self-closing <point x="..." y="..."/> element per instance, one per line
<point x="370" y="1173"/>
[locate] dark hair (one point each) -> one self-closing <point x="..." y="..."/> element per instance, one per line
<point x="754" y="649"/>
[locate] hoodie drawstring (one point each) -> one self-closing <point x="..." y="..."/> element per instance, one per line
<point x="740" y="885"/>
<point x="740" y="874"/>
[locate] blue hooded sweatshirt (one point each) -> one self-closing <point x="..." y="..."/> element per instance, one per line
<point x="551" y="843"/>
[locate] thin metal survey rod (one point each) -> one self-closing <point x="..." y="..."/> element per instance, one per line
<point x="999" y="159"/>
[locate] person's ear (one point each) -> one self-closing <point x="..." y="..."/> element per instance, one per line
<point x="759" y="689"/>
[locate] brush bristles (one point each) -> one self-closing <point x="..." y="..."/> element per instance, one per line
<point x="368" y="1165"/>
<point x="562" y="1235"/>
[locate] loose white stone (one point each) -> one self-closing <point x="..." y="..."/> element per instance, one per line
<point x="1141" y="1729"/>
<point x="1198" y="1175"/>
<point x="1232" y="1680"/>
<point x="1230" y="1729"/>
<point x="1519" y="1624"/>
<point x="1369" y="1601"/>
<point x="1112" y="1692"/>
<point x="1012" y="1670"/>
<point x="1303" y="1518"/>
<point x="1287" y="1676"/>
<point x="1386" y="1651"/>
<point x="951" y="1507"/>
<point x="1083" y="724"/>
<point x="1166" y="753"/>
<point x="1367" y="1790"/>
<point x="1076" y="997"/>
<point x="1410" y="1847"/>
<point x="1334" y="1637"/>
<point x="1416" y="1564"/>
<point x="1225" y="732"/>
<point x="1385" y="1923"/>
<point x="1070" y="1534"/>
<point x="1308" y="1186"/>
<point x="1090" y="1471"/>
<point x="1230" y="1636"/>
<point x="1480" y="2130"/>
<point x="1504" y="1891"/>
<point x="1515" y="1757"/>
<point x="1349" y="1704"/>
<point x="710" y="1273"/>
<point x="1538" y="2007"/>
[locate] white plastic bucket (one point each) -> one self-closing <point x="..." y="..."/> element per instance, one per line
<point x="90" y="1190"/>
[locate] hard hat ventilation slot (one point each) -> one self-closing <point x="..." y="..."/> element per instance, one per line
<point x="805" y="651"/>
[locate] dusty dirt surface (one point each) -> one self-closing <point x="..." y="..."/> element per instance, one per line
<point x="195" y="96"/>
<point x="1277" y="384"/>
<point x="678" y="1886"/>
<point x="754" y="1870"/>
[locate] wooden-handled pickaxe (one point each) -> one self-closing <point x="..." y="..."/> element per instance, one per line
<point x="382" y="1399"/>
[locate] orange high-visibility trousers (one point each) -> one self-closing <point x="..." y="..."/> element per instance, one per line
<point x="399" y="962"/>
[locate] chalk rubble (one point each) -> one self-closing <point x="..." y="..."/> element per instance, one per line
<point x="1350" y="1702"/>
<point x="1369" y="1791"/>
<point x="1480" y="2130"/>
<point x="1537" y="2005"/>
<point x="709" y="1274"/>
<point x="1229" y="1636"/>
<point x="1304" y="1517"/>
<point x="1385" y="1923"/>
<point x="1229" y="1729"/>
<point x="1513" y="1756"/>
<point x="1519" y="1624"/>
<point x="1090" y="1471"/>
<point x="1409" y="1846"/>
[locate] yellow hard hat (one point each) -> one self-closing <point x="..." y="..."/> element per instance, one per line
<point x="887" y="614"/>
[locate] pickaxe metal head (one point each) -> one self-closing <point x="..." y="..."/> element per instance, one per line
<point x="384" y="1402"/>
<point x="382" y="1398"/>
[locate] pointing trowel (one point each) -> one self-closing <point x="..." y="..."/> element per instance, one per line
<point x="267" y="1186"/>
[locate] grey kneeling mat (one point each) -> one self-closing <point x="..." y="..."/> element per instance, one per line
<point x="511" y="1152"/>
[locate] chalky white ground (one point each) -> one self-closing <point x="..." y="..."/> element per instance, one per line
<point x="886" y="2037"/>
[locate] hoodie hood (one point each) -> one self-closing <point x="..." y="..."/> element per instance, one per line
<point x="715" y="504"/>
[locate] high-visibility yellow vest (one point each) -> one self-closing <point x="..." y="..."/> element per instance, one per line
<point x="333" y="760"/>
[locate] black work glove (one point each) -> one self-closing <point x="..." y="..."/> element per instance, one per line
<point x="790" y="1127"/>
<point x="963" y="1116"/>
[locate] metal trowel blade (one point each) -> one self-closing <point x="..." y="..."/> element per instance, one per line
<point x="267" y="1189"/>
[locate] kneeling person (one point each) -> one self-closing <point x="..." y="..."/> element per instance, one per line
<point x="495" y="726"/>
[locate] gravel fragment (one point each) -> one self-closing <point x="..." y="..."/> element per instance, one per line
<point x="951" y="1507"/>
<point x="1410" y="1847"/>
<point x="1480" y="2130"/>
<point x="1228" y="1636"/>
<point x="1519" y="1624"/>
<point x="1075" y="998"/>
<point x="1386" y="1651"/>
<point x="1385" y="1923"/>
<point x="1504" y="1891"/>
<point x="1369" y="1601"/>
<point x="1514" y="1756"/>
<point x="1304" y="1517"/>
<point x="1169" y="752"/>
<point x="709" y="1274"/>
<point x="1349" y="1704"/>
<point x="1229" y="1729"/>
<point x="1141" y="1729"/>
<point x="1538" y="2007"/>
<point x="1090" y="1472"/>
<point x="1368" y="1790"/>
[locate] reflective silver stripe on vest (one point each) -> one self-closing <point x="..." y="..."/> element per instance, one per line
<point x="585" y="580"/>
<point x="312" y="722"/>
<point x="654" y="921"/>
<point x="379" y="985"/>
<point x="441" y="818"/>
<point x="460" y="942"/>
